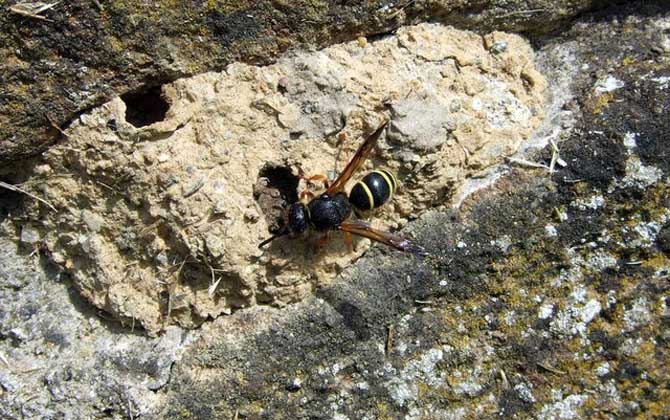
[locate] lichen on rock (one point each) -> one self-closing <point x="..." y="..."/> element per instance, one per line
<point x="160" y="224"/>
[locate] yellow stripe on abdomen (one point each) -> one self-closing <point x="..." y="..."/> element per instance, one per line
<point x="390" y="181"/>
<point x="371" y="199"/>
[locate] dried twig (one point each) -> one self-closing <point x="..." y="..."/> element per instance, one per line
<point x="4" y="360"/>
<point x="527" y="163"/>
<point x="521" y="12"/>
<point x="195" y="187"/>
<point x="17" y="189"/>
<point x="555" y="158"/>
<point x="503" y="378"/>
<point x="32" y="9"/>
<point x="400" y="9"/>
<point x="172" y="288"/>
<point x="390" y="339"/>
<point x="551" y="369"/>
<point x="214" y="284"/>
<point x="130" y="407"/>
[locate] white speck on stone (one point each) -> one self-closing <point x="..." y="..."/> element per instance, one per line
<point x="537" y="298"/>
<point x="564" y="409"/>
<point x="578" y="295"/>
<point x="612" y="392"/>
<point x="9" y="383"/>
<point x="594" y="202"/>
<point x="638" y="315"/>
<point x="600" y="260"/>
<point x="403" y="386"/>
<point x="461" y="244"/>
<point x="573" y="320"/>
<point x="562" y="215"/>
<point x="631" y="346"/>
<point x="647" y="233"/>
<point x="504" y="242"/>
<point x="603" y="369"/>
<point x="525" y="392"/>
<point x="219" y="187"/>
<point x="469" y="387"/>
<point x="402" y="391"/>
<point x="457" y="413"/>
<point x="662" y="81"/>
<point x="528" y="332"/>
<point x="29" y="235"/>
<point x="590" y="311"/>
<point x="443" y="283"/>
<point x="335" y="368"/>
<point x="630" y="140"/>
<point x="545" y="311"/>
<point x="571" y="275"/>
<point x="476" y="104"/>
<point x="389" y="369"/>
<point x="611" y="298"/>
<point x="362" y="386"/>
<point x="93" y="221"/>
<point x="638" y="174"/>
<point x="608" y="84"/>
<point x="550" y="231"/>
<point x="510" y="318"/>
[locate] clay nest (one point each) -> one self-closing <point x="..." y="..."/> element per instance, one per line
<point x="162" y="196"/>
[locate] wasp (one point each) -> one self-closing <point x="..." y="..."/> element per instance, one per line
<point x="332" y="210"/>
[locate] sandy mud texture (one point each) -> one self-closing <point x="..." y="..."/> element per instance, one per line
<point x="161" y="223"/>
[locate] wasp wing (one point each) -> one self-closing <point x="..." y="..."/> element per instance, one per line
<point x="356" y="162"/>
<point x="361" y="228"/>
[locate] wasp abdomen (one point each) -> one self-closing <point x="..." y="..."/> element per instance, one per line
<point x="375" y="189"/>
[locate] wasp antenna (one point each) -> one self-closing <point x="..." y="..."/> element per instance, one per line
<point x="271" y="238"/>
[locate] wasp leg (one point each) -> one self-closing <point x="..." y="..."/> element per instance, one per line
<point x="322" y="241"/>
<point x="322" y="178"/>
<point x="312" y="178"/>
<point x="306" y="194"/>
<point x="349" y="240"/>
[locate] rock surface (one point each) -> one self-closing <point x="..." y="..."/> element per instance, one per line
<point x="59" y="358"/>
<point x="159" y="224"/>
<point x="83" y="53"/>
<point x="545" y="295"/>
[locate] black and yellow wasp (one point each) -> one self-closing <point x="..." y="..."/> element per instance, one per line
<point x="332" y="210"/>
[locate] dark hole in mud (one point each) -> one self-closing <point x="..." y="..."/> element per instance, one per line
<point x="9" y="200"/>
<point x="276" y="188"/>
<point x="145" y="107"/>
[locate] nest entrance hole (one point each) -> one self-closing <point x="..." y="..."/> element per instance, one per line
<point x="145" y="106"/>
<point x="276" y="188"/>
